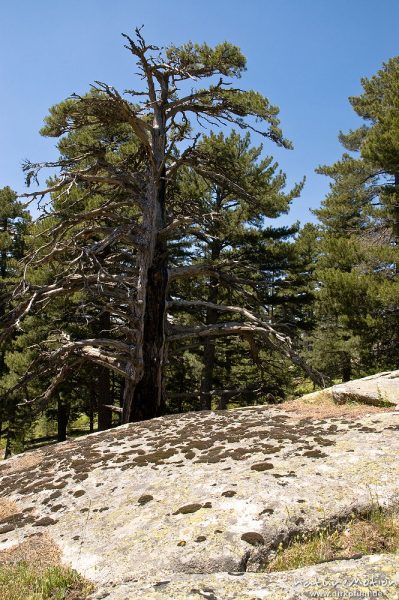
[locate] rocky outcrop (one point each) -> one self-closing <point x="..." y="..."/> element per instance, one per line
<point x="378" y="390"/>
<point x="369" y="577"/>
<point x="198" y="493"/>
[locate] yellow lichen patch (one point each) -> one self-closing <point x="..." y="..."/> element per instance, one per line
<point x="8" y="508"/>
<point x="320" y="405"/>
<point x="22" y="462"/>
<point x="38" y="549"/>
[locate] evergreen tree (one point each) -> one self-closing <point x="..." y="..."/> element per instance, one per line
<point x="358" y="307"/>
<point x="229" y="232"/>
<point x="115" y="211"/>
<point x="14" y="220"/>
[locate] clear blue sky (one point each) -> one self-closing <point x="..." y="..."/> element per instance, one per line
<point x="307" y="56"/>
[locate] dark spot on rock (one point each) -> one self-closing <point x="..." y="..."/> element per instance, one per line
<point x="159" y="584"/>
<point x="314" y="454"/>
<point x="76" y="537"/>
<point x="200" y="538"/>
<point x="299" y="521"/>
<point x="155" y="457"/>
<point x="202" y="444"/>
<point x="301" y="501"/>
<point x="264" y="466"/>
<point x="54" y="495"/>
<point x="324" y="442"/>
<point x="79" y="493"/>
<point x="77" y="464"/>
<point x="207" y="505"/>
<point x="238" y="453"/>
<point x="57" y="507"/>
<point x="189" y="508"/>
<point x="189" y="455"/>
<point x="218" y="531"/>
<point x="267" y="511"/>
<point x="182" y="543"/>
<point x="45" y="522"/>
<point x="145" y="498"/>
<point x="229" y="493"/>
<point x="253" y="538"/>
<point x="84" y="510"/>
<point x="103" y="509"/>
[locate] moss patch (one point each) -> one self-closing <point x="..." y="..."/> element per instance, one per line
<point x="23" y="580"/>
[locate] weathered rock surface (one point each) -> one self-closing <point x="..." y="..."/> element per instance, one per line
<point x="198" y="493"/>
<point x="380" y="390"/>
<point x="370" y="577"/>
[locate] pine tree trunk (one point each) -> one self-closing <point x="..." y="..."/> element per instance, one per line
<point x="396" y="211"/>
<point x="208" y="356"/>
<point x="143" y="395"/>
<point x="209" y="353"/>
<point x="346" y="367"/>
<point x="62" y="419"/>
<point x="395" y="215"/>
<point x="104" y="378"/>
<point x="148" y="399"/>
<point x="104" y="382"/>
<point x="7" y="451"/>
<point x="12" y="441"/>
<point x="91" y="409"/>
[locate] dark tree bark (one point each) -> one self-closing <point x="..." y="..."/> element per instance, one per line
<point x="346" y="367"/>
<point x="92" y="406"/>
<point x="63" y="410"/>
<point x="7" y="451"/>
<point x="209" y="352"/>
<point x="148" y="397"/>
<point x="148" y="400"/>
